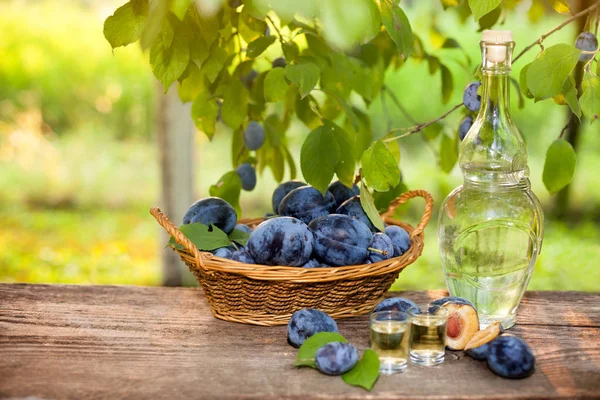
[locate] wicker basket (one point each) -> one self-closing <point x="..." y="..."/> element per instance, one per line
<point x="265" y="295"/>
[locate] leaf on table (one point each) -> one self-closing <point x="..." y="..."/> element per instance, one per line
<point x="559" y="166"/>
<point x="368" y="205"/>
<point x="479" y="8"/>
<point x="305" y="75"/>
<point x="319" y="157"/>
<point x="379" y="167"/>
<point x="365" y="372"/>
<point x="126" y="24"/>
<point x="203" y="237"/>
<point x="547" y="73"/>
<point x="308" y="350"/>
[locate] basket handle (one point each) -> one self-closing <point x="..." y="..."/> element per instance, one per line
<point x="403" y="198"/>
<point x="177" y="234"/>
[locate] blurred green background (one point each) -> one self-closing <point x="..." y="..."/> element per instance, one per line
<point x="79" y="160"/>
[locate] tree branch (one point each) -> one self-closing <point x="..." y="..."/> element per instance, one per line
<point x="556" y="28"/>
<point x="275" y="27"/>
<point x="420" y="127"/>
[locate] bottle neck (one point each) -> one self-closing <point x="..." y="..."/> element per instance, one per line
<point x="495" y="97"/>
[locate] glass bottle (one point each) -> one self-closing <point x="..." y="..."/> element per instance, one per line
<point x="490" y="228"/>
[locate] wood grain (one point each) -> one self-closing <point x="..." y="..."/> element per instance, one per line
<point x="108" y="342"/>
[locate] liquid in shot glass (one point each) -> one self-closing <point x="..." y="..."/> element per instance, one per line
<point x="427" y="336"/>
<point x="389" y="335"/>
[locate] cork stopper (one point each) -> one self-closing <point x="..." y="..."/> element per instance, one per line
<point x="496" y="36"/>
<point x="496" y="44"/>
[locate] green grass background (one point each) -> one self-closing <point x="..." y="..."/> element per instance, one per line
<point x="79" y="167"/>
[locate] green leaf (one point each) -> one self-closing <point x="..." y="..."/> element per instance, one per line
<point x="275" y="85"/>
<point x="346" y="22"/>
<point x="291" y="163"/>
<point x="347" y="109"/>
<point x="547" y="73"/>
<point x="364" y="134"/>
<point x="490" y="19"/>
<point x="447" y="84"/>
<point x="304" y="75"/>
<point x="432" y="131"/>
<point x="204" y="113"/>
<point x="319" y="157"/>
<point x="258" y="46"/>
<point x="365" y="372"/>
<point x="239" y="237"/>
<point x="189" y="88"/>
<point x="368" y="205"/>
<point x="308" y="350"/>
<point x="590" y="98"/>
<point x="180" y="7"/>
<point x="448" y="153"/>
<point x="169" y="57"/>
<point x="561" y="6"/>
<point x="393" y="146"/>
<point x="449" y="3"/>
<point x="228" y="188"/>
<point x="523" y="82"/>
<point x="559" y="166"/>
<point x="569" y="91"/>
<point x="379" y="167"/>
<point x="235" y="104"/>
<point x="520" y="98"/>
<point x="305" y="113"/>
<point x="290" y="50"/>
<point x="204" y="238"/>
<point x="397" y="25"/>
<point x="214" y="63"/>
<point x="126" y="24"/>
<point x="344" y="169"/>
<point x="383" y="199"/>
<point x="481" y="7"/>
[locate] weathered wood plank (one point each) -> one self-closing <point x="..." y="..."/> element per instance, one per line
<point x="137" y="342"/>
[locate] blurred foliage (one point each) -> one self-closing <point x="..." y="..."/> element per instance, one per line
<point x="74" y="203"/>
<point x="54" y="60"/>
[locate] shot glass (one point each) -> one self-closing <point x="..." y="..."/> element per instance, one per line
<point x="389" y="331"/>
<point x="427" y="336"/>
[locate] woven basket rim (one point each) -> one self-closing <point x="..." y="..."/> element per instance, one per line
<point x="210" y="264"/>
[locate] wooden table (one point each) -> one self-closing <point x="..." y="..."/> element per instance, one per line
<point x="109" y="342"/>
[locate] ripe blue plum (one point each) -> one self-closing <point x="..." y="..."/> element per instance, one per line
<point x="314" y="263"/>
<point x="336" y="358"/>
<point x="243" y="228"/>
<point x="464" y="127"/>
<point x="223" y="252"/>
<point x="305" y="323"/>
<point x="306" y="203"/>
<point x="342" y="192"/>
<point x="242" y="255"/>
<point x="281" y="241"/>
<point x="247" y="176"/>
<point x="340" y="240"/>
<point x="212" y="211"/>
<point x="282" y="190"/>
<point x="586" y="41"/>
<point x="395" y="304"/>
<point x="479" y="353"/>
<point x="510" y="357"/>
<point x="249" y="78"/>
<point x="382" y="242"/>
<point x="470" y="97"/>
<point x="434" y="305"/>
<point x="400" y="238"/>
<point x="254" y="135"/>
<point x="353" y="208"/>
<point x="279" y="62"/>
